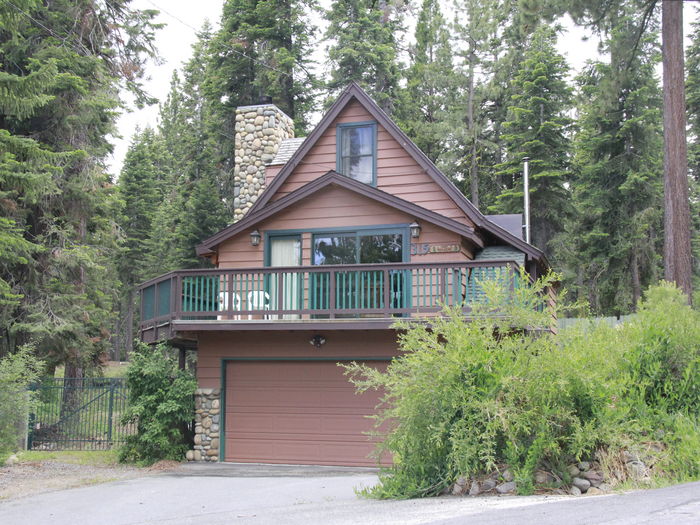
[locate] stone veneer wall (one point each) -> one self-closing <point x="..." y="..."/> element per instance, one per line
<point x="207" y="404"/>
<point x="259" y="132"/>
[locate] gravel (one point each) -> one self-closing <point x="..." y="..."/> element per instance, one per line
<point x="36" y="477"/>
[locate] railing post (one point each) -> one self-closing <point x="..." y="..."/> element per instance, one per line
<point x="229" y="293"/>
<point x="156" y="308"/>
<point x="280" y="293"/>
<point x="387" y="292"/>
<point x="443" y="285"/>
<point x="177" y="294"/>
<point x="331" y="294"/>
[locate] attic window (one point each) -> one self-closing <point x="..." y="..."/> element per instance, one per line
<point x="357" y="151"/>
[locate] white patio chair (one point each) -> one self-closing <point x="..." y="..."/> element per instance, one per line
<point x="258" y="300"/>
<point x="223" y="305"/>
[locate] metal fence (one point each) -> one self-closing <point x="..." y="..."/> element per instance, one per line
<point x="567" y="322"/>
<point x="79" y="414"/>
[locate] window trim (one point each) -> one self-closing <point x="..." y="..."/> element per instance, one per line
<point x="269" y="236"/>
<point x="364" y="231"/>
<point x="338" y="146"/>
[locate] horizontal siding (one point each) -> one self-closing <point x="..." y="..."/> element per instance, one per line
<point x="397" y="172"/>
<point x="213" y="347"/>
<point x="331" y="207"/>
<point x="271" y="172"/>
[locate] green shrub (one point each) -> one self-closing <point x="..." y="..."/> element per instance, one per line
<point x="468" y="397"/>
<point x="161" y="403"/>
<point x="17" y="372"/>
<point x="664" y="351"/>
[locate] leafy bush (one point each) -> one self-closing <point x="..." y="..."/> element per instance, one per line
<point x="161" y="403"/>
<point x="17" y="372"/>
<point x="469" y="397"/>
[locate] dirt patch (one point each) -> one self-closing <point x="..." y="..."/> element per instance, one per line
<point x="35" y="477"/>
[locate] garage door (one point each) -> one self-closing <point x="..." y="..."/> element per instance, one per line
<point x="296" y="412"/>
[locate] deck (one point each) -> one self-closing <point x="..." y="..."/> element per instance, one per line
<point x="351" y="297"/>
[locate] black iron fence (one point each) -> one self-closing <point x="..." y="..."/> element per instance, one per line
<point x="79" y="414"/>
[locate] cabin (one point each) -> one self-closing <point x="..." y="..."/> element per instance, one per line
<point x="335" y="237"/>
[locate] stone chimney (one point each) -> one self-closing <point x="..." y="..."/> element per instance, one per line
<point x="259" y="131"/>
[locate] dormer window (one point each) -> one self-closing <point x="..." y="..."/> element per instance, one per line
<point x="357" y="151"/>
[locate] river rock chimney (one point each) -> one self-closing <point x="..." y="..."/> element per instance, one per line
<point x="260" y="129"/>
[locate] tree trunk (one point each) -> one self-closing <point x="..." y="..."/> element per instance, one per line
<point x="70" y="400"/>
<point x="473" y="168"/>
<point x="677" y="253"/>
<point x="129" y="342"/>
<point x="636" y="284"/>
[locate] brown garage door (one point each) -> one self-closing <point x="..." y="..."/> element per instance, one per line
<point x="297" y="412"/>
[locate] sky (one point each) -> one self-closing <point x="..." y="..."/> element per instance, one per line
<point x="175" y="40"/>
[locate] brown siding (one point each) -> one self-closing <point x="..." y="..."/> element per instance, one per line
<point x="332" y="207"/>
<point x="212" y="347"/>
<point x="271" y="172"/>
<point x="397" y="172"/>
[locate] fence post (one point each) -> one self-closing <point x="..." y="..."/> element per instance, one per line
<point x="110" y="411"/>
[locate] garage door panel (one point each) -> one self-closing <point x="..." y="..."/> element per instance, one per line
<point x="296" y="412"/>
<point x="289" y="428"/>
<point x="312" y="396"/>
<point x="304" y="452"/>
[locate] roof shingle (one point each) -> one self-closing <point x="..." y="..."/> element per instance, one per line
<point x="286" y="150"/>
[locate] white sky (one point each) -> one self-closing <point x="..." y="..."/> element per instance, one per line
<point x="175" y="40"/>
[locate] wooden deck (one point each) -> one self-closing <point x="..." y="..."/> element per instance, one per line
<point x="348" y="297"/>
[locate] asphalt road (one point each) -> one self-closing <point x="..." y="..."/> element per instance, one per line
<point x="218" y="494"/>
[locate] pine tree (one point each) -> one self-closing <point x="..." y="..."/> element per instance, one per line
<point x="612" y="247"/>
<point x="476" y="140"/>
<point x="692" y="91"/>
<point x="538" y="127"/>
<point x="262" y="48"/>
<point x="431" y="84"/>
<point x="693" y="100"/>
<point x="141" y="192"/>
<point x="204" y="215"/>
<point x="68" y="285"/>
<point x="364" y="48"/>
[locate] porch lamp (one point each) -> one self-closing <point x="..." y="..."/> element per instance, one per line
<point x="255" y="237"/>
<point x="415" y="229"/>
<point x="318" y="341"/>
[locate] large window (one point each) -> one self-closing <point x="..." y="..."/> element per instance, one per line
<point x="358" y="248"/>
<point x="357" y="145"/>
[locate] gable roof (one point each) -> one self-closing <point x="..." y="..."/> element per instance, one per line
<point x="336" y="179"/>
<point x="354" y="91"/>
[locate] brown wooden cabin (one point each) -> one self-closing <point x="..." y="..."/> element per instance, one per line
<point x="336" y="236"/>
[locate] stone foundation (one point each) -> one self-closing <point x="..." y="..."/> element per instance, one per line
<point x="207" y="404"/>
<point x="259" y="132"/>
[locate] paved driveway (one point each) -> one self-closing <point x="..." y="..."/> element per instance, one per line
<point x="218" y="494"/>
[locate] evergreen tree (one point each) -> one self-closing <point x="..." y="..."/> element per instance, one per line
<point x="262" y="48"/>
<point x="203" y="215"/>
<point x="693" y="101"/>
<point x="476" y="141"/>
<point x="612" y="248"/>
<point x="364" y="49"/>
<point x="68" y="285"/>
<point x="692" y="92"/>
<point x="538" y="127"/>
<point x="141" y="192"/>
<point x="431" y="84"/>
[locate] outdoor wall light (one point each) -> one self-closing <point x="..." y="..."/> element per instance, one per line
<point x="318" y="341"/>
<point x="255" y="237"/>
<point x="415" y="229"/>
